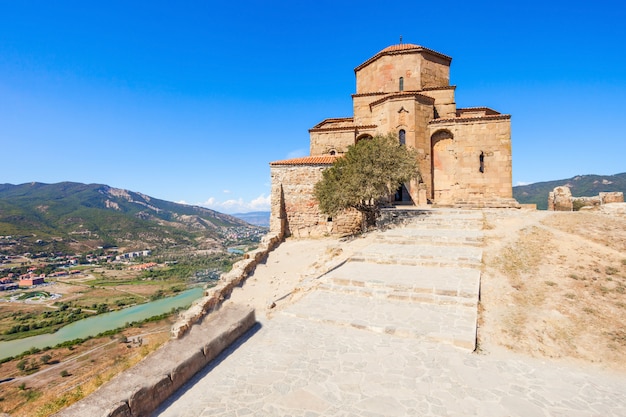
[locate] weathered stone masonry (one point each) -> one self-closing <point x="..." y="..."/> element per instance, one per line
<point x="294" y="208"/>
<point x="561" y="199"/>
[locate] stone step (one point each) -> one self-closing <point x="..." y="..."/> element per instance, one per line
<point x="452" y="324"/>
<point x="443" y="223"/>
<point x="391" y="253"/>
<point x="439" y="237"/>
<point x="398" y="295"/>
<point x="388" y="279"/>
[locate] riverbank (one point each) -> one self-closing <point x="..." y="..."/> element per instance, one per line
<point x="94" y="325"/>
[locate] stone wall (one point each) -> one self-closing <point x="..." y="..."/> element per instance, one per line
<point x="612" y="197"/>
<point x="419" y="70"/>
<point x="295" y="210"/>
<point x="472" y="164"/>
<point x="325" y="141"/>
<point x="444" y="100"/>
<point x="214" y="296"/>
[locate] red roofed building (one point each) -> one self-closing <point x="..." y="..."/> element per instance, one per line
<point x="30" y="281"/>
<point x="464" y="154"/>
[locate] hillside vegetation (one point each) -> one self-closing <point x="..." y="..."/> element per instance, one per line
<point x="72" y="216"/>
<point x="581" y="186"/>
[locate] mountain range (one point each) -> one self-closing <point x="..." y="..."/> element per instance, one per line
<point x="257" y="218"/>
<point x="74" y="216"/>
<point x="580" y="185"/>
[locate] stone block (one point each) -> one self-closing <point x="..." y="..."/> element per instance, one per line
<point x="187" y="368"/>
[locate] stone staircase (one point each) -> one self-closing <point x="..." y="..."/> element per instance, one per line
<point x="418" y="280"/>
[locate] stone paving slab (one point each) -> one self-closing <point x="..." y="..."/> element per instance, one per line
<point x="458" y="282"/>
<point x="452" y="323"/>
<point x="296" y="367"/>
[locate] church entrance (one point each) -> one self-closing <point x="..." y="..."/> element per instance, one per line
<point x="443" y="164"/>
<point x="402" y="195"/>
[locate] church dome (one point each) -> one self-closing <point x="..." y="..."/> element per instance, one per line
<point x="404" y="48"/>
<point x="400" y="47"/>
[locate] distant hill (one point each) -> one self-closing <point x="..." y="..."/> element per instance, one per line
<point x="581" y="186"/>
<point x="77" y="216"/>
<point x="258" y="218"/>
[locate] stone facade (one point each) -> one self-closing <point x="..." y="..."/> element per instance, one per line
<point x="464" y="154"/>
<point x="561" y="199"/>
<point x="295" y="211"/>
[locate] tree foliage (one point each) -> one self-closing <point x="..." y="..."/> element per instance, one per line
<point x="364" y="178"/>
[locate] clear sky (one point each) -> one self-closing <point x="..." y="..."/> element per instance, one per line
<point x="189" y="101"/>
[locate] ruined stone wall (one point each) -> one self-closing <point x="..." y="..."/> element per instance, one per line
<point x="612" y="197"/>
<point x="561" y="199"/>
<point x="459" y="177"/>
<point x="214" y="296"/>
<point x="300" y="211"/>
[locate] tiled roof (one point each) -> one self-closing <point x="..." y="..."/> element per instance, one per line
<point x="382" y="93"/>
<point x="307" y="160"/>
<point x="402" y="48"/>
<point x="444" y="87"/>
<point x="343" y="121"/>
<point x="351" y="128"/>
<point x="378" y="93"/>
<point x="488" y="111"/>
<point x="470" y="119"/>
<point x="407" y="94"/>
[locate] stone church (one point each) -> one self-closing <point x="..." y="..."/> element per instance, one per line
<point x="464" y="153"/>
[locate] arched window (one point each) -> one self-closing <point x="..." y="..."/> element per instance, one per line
<point x="401" y="83"/>
<point x="481" y="160"/>
<point x="333" y="152"/>
<point x="363" y="136"/>
<point x="402" y="137"/>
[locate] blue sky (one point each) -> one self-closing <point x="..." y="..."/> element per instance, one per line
<point x="189" y="101"/>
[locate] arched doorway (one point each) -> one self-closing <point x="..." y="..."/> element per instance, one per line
<point x="402" y="193"/>
<point x="443" y="166"/>
<point x="363" y="136"/>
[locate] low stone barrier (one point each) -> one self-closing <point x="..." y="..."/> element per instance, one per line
<point x="561" y="199"/>
<point x="141" y="389"/>
<point x="213" y="297"/>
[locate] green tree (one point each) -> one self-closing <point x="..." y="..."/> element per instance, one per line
<point x="363" y="179"/>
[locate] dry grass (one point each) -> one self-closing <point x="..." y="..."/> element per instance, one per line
<point x="88" y="366"/>
<point x="557" y="286"/>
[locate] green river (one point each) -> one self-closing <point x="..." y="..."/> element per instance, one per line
<point x="93" y="325"/>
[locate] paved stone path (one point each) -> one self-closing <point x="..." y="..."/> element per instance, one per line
<point x="390" y="333"/>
